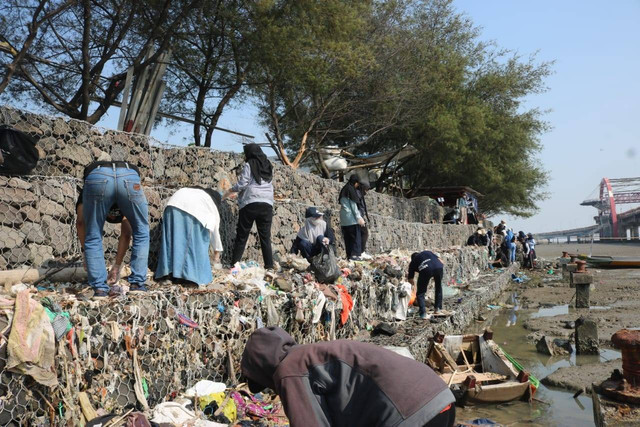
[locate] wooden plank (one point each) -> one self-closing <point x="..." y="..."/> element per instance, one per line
<point x="154" y="110"/>
<point x="148" y="97"/>
<point x="132" y="112"/>
<point x="459" y="377"/>
<point x="125" y="99"/>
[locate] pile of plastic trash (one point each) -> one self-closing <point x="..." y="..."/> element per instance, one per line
<point x="66" y="359"/>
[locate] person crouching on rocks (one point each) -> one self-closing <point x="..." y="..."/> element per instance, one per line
<point x="345" y="383"/>
<point x="313" y="235"/>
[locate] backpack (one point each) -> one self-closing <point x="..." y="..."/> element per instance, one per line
<point x="18" y="153"/>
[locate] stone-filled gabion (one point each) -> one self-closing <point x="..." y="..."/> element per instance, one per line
<point x="37" y="212"/>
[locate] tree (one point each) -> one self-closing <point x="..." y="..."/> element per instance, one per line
<point x="17" y="48"/>
<point x="65" y="62"/>
<point x="312" y="54"/>
<point x="421" y="77"/>
<point x="212" y="58"/>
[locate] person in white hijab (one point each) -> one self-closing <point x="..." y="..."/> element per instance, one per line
<point x="313" y="235"/>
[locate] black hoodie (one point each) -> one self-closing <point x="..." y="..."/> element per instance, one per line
<point x="343" y="382"/>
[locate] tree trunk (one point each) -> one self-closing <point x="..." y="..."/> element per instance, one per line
<point x="198" y="116"/>
<point x="86" y="64"/>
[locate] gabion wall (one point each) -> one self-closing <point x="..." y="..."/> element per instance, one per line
<point x="37" y="212"/>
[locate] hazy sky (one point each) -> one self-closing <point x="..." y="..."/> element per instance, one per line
<point x="593" y="97"/>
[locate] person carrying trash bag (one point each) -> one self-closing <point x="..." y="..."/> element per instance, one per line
<point x="427" y="265"/>
<point x="107" y="184"/>
<point x="313" y="235"/>
<point x="345" y="383"/>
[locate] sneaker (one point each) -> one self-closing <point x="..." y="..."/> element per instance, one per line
<point x="356" y="258"/>
<point x="100" y="294"/>
<point x="137" y="289"/>
<point x="424" y="316"/>
<point x="365" y="256"/>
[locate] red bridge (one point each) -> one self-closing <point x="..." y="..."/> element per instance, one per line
<point x="615" y="192"/>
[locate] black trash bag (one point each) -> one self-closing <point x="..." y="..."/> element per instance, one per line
<point x="325" y="266"/>
<point x="18" y="153"/>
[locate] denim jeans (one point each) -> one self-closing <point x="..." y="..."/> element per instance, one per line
<point x="103" y="187"/>
<point x="512" y="252"/>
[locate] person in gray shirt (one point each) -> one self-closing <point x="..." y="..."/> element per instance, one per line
<point x="255" y="200"/>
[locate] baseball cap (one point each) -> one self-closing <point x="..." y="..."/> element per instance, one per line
<point x="313" y="212"/>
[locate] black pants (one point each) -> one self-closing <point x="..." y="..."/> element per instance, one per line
<point x="307" y="249"/>
<point x="262" y="215"/>
<point x="352" y="240"/>
<point x="364" y="234"/>
<point x="423" y="282"/>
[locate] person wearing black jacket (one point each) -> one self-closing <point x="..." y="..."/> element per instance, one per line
<point x="313" y="235"/>
<point x="345" y="383"/>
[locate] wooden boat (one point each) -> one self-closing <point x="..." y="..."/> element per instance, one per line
<point x="478" y="370"/>
<point x="601" y="261"/>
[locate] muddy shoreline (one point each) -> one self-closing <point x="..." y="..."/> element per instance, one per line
<point x="543" y="305"/>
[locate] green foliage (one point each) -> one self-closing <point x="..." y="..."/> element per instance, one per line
<point x="368" y="76"/>
<point x="403" y="72"/>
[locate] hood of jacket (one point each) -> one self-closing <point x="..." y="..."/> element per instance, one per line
<point x="263" y="353"/>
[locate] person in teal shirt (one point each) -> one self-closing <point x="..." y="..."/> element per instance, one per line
<point x="351" y="222"/>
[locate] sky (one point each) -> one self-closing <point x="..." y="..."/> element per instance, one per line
<point x="593" y="97"/>
<point x="593" y="101"/>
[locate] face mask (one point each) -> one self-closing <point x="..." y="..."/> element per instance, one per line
<point x="315" y="221"/>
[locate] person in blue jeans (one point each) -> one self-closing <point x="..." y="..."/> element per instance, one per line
<point x="427" y="265"/>
<point x="313" y="235"/>
<point x="510" y="238"/>
<point x="107" y="184"/>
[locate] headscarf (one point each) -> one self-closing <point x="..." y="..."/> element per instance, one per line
<point x="261" y="168"/>
<point x="213" y="193"/>
<point x="349" y="189"/>
<point x="312" y="228"/>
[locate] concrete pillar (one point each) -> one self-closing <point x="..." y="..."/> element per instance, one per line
<point x="570" y="269"/>
<point x="582" y="283"/>
<point x="586" y="336"/>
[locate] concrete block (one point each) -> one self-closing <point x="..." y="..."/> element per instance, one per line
<point x="581" y="278"/>
<point x="582" y="295"/>
<point x="586" y="336"/>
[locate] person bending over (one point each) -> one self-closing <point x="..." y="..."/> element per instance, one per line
<point x="107" y="184"/>
<point x="345" y="383"/>
<point x="427" y="265"/>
